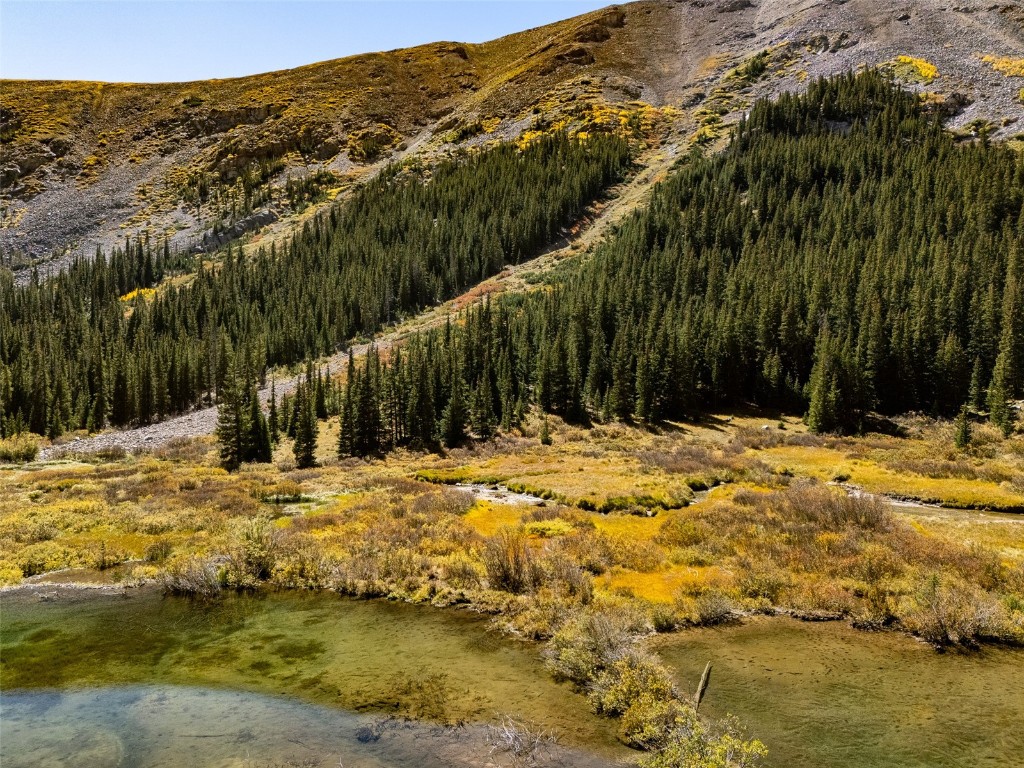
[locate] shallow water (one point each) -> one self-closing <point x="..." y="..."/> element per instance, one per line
<point x="354" y="656"/>
<point x="824" y="694"/>
<point x="173" y="726"/>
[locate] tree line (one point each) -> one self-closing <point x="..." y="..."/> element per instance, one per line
<point x="94" y="346"/>
<point x="844" y="255"/>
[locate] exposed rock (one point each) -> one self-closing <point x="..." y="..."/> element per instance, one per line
<point x="213" y="240"/>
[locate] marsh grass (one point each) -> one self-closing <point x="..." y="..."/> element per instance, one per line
<point x="763" y="540"/>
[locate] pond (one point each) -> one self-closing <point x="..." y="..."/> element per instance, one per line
<point x="826" y="694"/>
<point x="300" y="679"/>
<point x="149" y="677"/>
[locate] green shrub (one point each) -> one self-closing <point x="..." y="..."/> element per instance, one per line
<point x="648" y="721"/>
<point x="950" y="612"/>
<point x="694" y="744"/>
<point x="254" y="551"/>
<point x="19" y="449"/>
<point x="586" y="645"/>
<point x="622" y="683"/>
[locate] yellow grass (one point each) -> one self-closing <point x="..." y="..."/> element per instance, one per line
<point x="487" y="518"/>
<point x="663" y="586"/>
<point x="829" y="465"/>
<point x="387" y="532"/>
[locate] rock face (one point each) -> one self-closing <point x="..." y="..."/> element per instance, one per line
<point x="85" y="164"/>
<point x="214" y="239"/>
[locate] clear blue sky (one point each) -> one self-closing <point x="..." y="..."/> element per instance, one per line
<point x="171" y="40"/>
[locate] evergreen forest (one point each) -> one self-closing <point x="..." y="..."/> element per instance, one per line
<point x="143" y="333"/>
<point x="845" y="255"/>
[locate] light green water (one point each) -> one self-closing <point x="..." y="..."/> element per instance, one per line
<point x="828" y="695"/>
<point x="279" y="679"/>
<point x="178" y="727"/>
<point x="353" y="656"/>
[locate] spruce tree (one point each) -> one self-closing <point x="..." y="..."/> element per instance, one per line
<point x="453" y="420"/>
<point x="258" y="444"/>
<point x="232" y="427"/>
<point x="306" y="428"/>
<point x="962" y="435"/>
<point x="273" y="427"/>
<point x="482" y="411"/>
<point x="823" y="410"/>
<point x="1000" y="412"/>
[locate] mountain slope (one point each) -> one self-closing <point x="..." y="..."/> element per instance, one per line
<point x="85" y="164"/>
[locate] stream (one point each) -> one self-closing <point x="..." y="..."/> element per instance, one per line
<point x="825" y="694"/>
<point x="136" y="679"/>
<point x="98" y="680"/>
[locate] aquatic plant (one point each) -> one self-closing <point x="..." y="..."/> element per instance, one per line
<point x="527" y="744"/>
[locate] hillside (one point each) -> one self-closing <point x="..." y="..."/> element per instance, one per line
<point x="87" y="164"/>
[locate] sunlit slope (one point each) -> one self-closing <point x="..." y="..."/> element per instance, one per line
<point x="84" y="164"/>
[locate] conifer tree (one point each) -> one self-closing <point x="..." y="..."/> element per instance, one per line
<point x="273" y="427"/>
<point x="453" y="419"/>
<point x="482" y="411"/>
<point x="962" y="434"/>
<point x="545" y="431"/>
<point x="823" y="411"/>
<point x="257" y="446"/>
<point x="999" y="409"/>
<point x="232" y="427"/>
<point x="306" y="428"/>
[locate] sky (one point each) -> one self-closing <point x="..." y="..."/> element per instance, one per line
<point x="175" y="40"/>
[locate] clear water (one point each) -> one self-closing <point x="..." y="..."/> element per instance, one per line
<point x="827" y="695"/>
<point x="174" y="726"/>
<point x="290" y="679"/>
<point x="141" y="675"/>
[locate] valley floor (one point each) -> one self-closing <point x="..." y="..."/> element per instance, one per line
<point x="732" y="514"/>
<point x="605" y="535"/>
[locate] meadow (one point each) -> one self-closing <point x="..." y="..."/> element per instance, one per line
<point x="586" y="544"/>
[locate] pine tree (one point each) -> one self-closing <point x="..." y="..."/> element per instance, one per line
<point x="306" y="428"/>
<point x="453" y="420"/>
<point x="977" y="391"/>
<point x="257" y="445"/>
<point x="962" y="436"/>
<point x="272" y="419"/>
<point x="823" y="411"/>
<point x="367" y="428"/>
<point x="1000" y="412"/>
<point x="346" y="430"/>
<point x="482" y="411"/>
<point x="232" y="429"/>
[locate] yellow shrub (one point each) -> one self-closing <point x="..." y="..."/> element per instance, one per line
<point x="913" y="68"/>
<point x="145" y="293"/>
<point x="547" y="529"/>
<point x="10" y="573"/>
<point x="1007" y="65"/>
